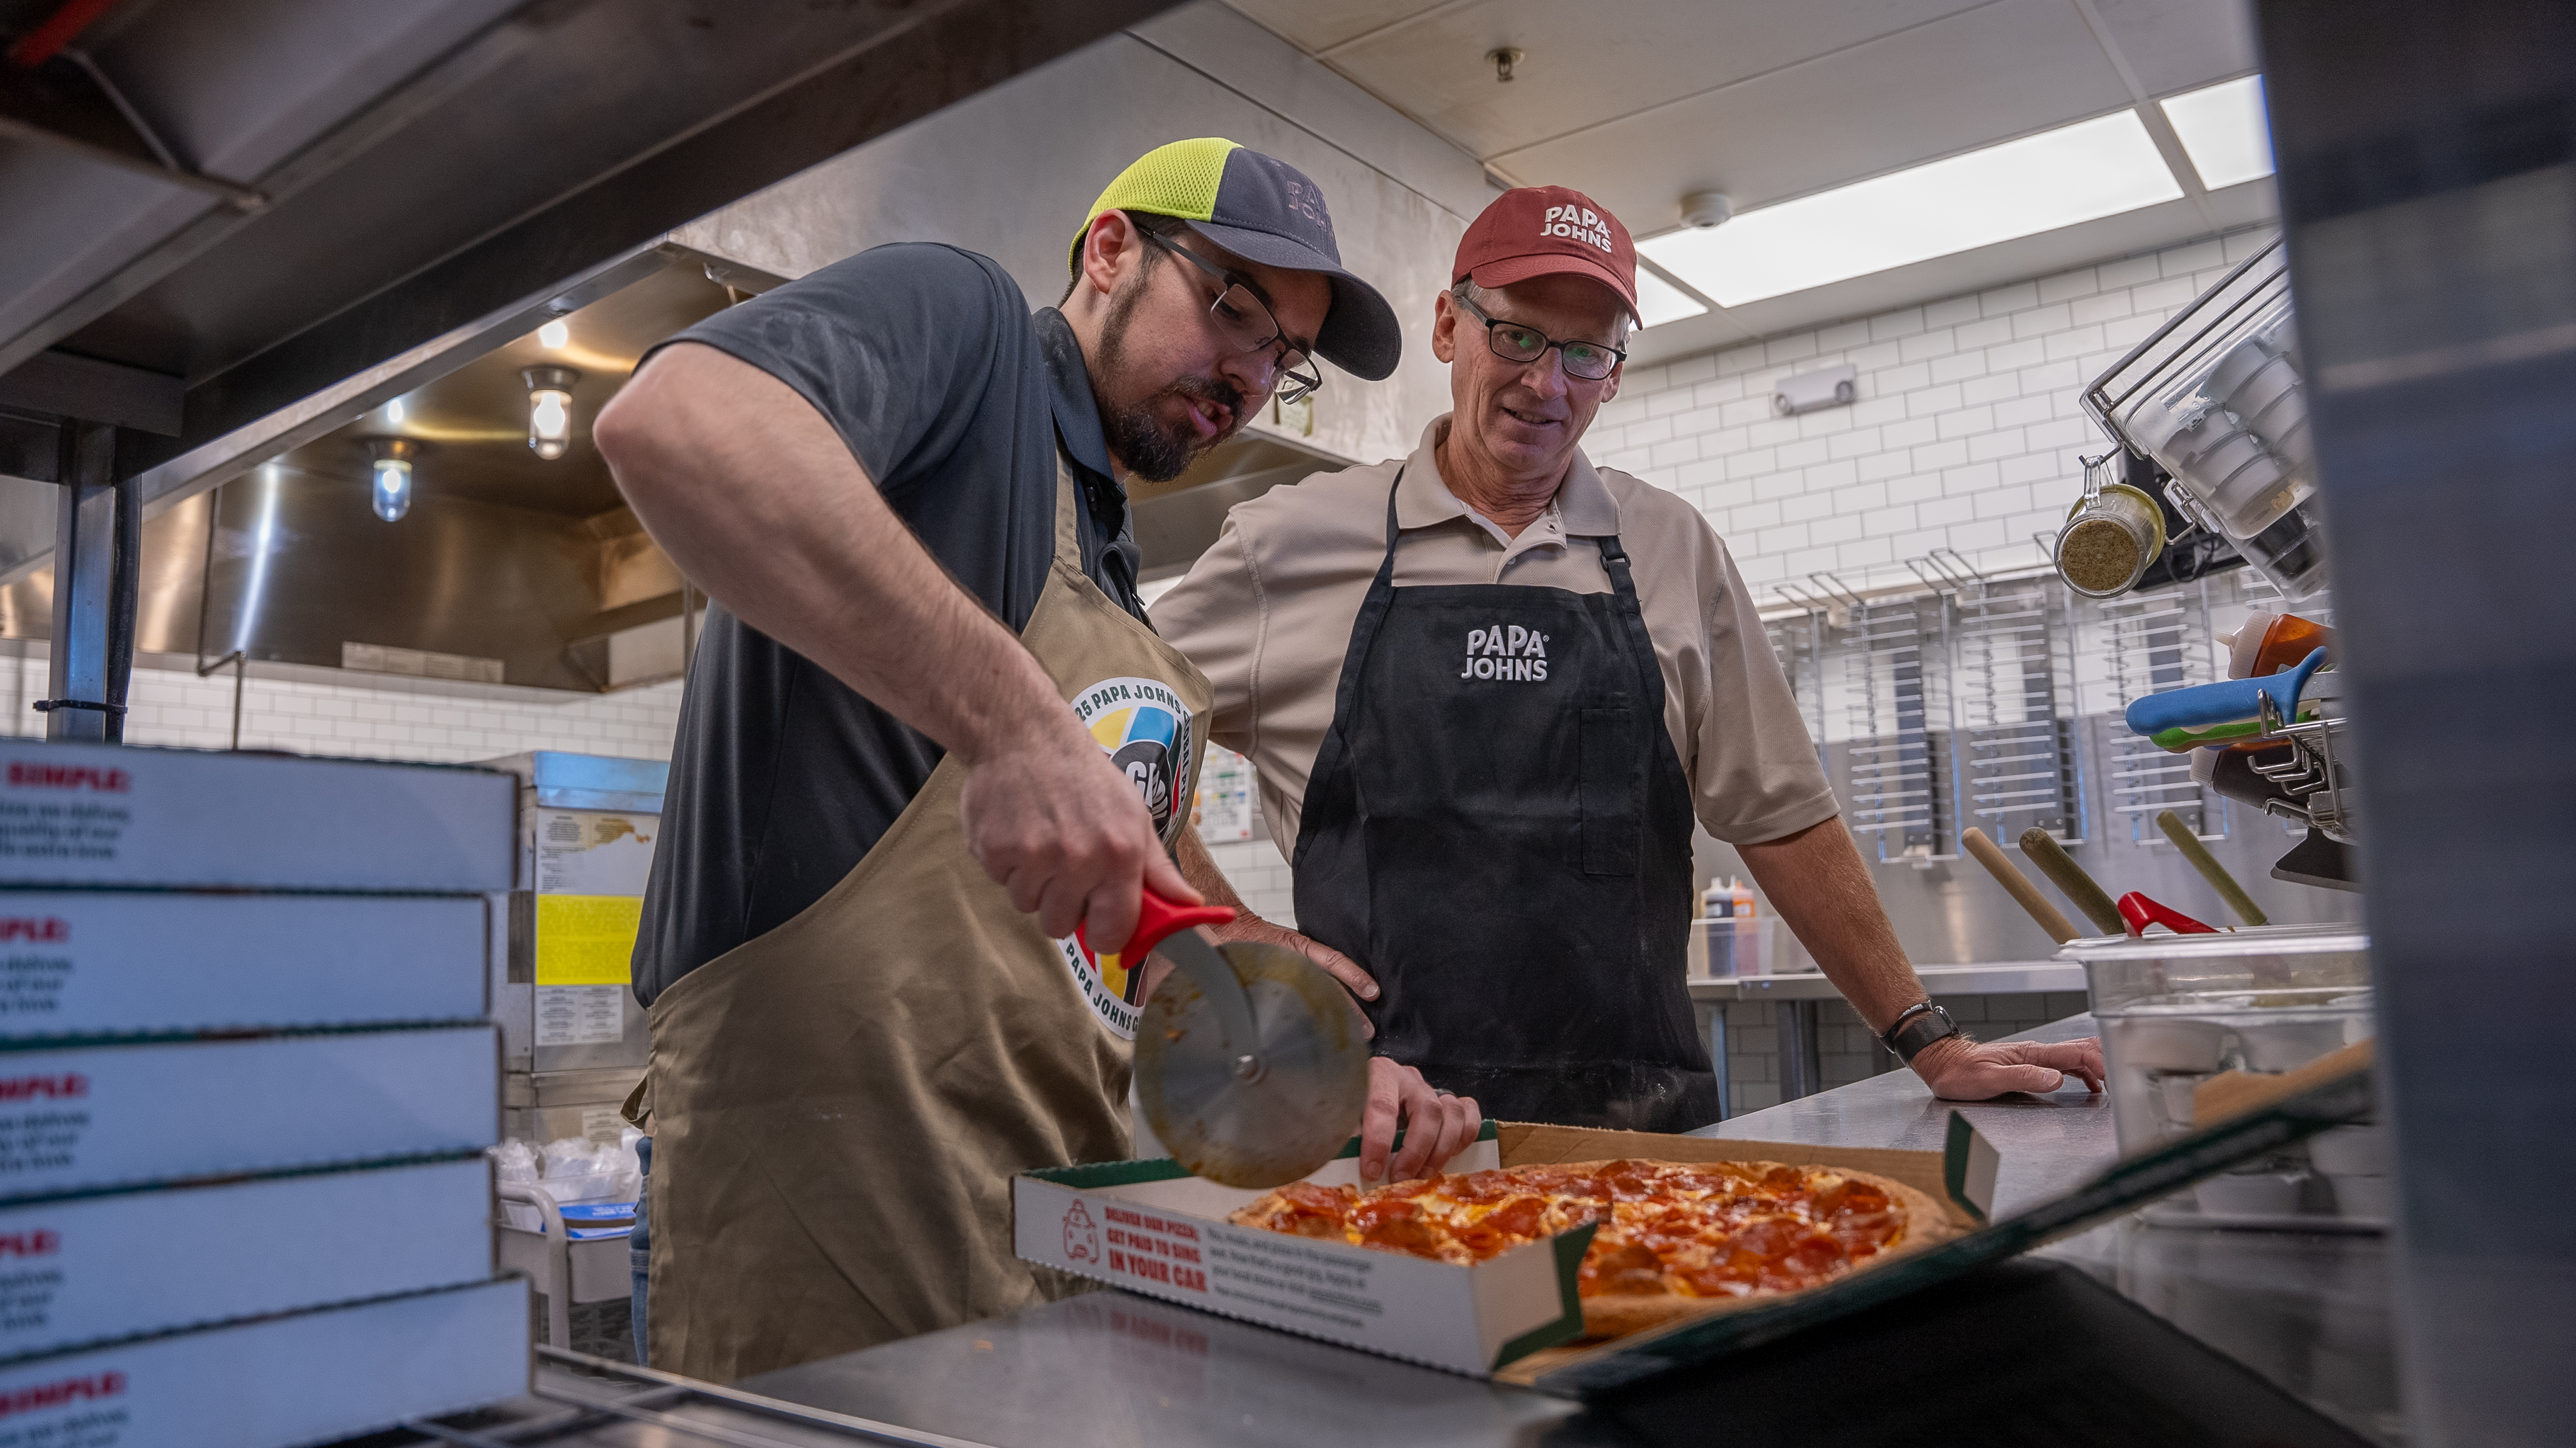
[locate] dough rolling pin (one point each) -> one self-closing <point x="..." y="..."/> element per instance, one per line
<point x="1251" y="1061"/>
<point x="2209" y="868"/>
<point x="2070" y="879"/>
<point x="2018" y="886"/>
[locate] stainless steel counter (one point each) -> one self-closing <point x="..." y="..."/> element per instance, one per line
<point x="1800" y="996"/>
<point x="2015" y="977"/>
<point x="2308" y="1312"/>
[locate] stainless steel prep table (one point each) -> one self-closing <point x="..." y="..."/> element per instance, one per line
<point x="1799" y="993"/>
<point x="2307" y="1311"/>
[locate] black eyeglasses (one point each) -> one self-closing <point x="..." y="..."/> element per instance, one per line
<point x="1515" y="343"/>
<point x="1244" y="320"/>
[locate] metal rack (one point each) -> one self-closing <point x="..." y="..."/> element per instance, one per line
<point x="2310" y="773"/>
<point x="625" y="1404"/>
<point x="2010" y="749"/>
<point x="1890" y="699"/>
<point x="2149" y="643"/>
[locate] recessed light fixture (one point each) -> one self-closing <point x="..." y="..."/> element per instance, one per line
<point x="394" y="412"/>
<point x="391" y="459"/>
<point x="549" y="409"/>
<point x="553" y="335"/>
<point x="1659" y="301"/>
<point x="2223" y="130"/>
<point x="2058" y="178"/>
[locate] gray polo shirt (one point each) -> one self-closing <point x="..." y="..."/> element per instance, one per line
<point x="1266" y="614"/>
<point x="956" y="399"/>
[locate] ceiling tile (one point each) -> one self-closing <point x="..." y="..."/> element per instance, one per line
<point x="2175" y="45"/>
<point x="2002" y="70"/>
<point x="1313" y="25"/>
<point x="1585" y="64"/>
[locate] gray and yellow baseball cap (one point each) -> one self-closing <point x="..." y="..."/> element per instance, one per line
<point x="1261" y="209"/>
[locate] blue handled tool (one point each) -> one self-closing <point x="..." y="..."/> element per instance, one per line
<point x="2205" y="705"/>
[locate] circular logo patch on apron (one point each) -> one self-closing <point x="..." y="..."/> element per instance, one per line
<point x="1144" y="728"/>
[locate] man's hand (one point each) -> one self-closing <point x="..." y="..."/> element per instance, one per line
<point x="1248" y="926"/>
<point x="1437" y="1125"/>
<point x="1958" y="1069"/>
<point x="1053" y="822"/>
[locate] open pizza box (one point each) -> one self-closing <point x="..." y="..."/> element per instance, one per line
<point x="1150" y="1227"/>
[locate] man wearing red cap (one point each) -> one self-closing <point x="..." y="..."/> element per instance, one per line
<point x="1487" y="689"/>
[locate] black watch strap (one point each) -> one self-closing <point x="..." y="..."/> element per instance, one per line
<point x="1916" y="1027"/>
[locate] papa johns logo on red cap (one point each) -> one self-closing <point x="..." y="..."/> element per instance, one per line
<point x="1578" y="223"/>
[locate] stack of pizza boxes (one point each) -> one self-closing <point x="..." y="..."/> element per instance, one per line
<point x="247" y="1077"/>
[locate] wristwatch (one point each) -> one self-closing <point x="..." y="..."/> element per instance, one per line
<point x="1916" y="1027"/>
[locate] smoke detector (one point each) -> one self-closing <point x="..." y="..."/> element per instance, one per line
<point x="1705" y="209"/>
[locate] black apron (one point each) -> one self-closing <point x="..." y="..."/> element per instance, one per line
<point x="1499" y="831"/>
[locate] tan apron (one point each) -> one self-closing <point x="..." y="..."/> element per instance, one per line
<point x="838" y="1106"/>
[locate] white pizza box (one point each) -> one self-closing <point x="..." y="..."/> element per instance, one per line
<point x="279" y="1382"/>
<point x="96" y="1268"/>
<point x="120" y="962"/>
<point x="106" y="814"/>
<point x="1151" y="1227"/>
<point x="78" y="1118"/>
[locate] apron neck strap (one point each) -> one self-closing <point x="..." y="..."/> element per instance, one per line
<point x="1386" y="565"/>
<point x="1068" y="497"/>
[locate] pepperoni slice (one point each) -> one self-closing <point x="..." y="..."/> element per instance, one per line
<point x="1620" y="1268"/>
<point x="1407" y="1233"/>
<point x="1767" y="1239"/>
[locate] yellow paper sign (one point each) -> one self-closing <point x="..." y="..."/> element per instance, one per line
<point x="587" y="939"/>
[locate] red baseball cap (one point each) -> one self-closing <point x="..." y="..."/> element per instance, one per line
<point x="1536" y="231"/>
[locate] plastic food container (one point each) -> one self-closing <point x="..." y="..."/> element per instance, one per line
<point x="2176" y="1010"/>
<point x="1735" y="945"/>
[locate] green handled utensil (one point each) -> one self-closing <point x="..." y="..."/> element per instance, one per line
<point x="2069" y="877"/>
<point x="2209" y="868"/>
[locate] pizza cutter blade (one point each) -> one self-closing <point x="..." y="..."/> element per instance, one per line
<point x="1251" y="1061"/>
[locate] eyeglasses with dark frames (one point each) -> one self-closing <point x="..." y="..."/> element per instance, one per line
<point x="1514" y="342"/>
<point x="1244" y="320"/>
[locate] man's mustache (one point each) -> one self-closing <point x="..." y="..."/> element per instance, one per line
<point x="1211" y="389"/>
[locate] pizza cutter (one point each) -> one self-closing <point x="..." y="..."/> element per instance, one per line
<point x="1251" y="1061"/>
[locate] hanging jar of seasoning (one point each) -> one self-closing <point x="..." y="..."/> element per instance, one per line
<point x="2111" y="535"/>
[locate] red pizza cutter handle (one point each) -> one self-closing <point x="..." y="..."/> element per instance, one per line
<point x="1157" y="918"/>
<point x="2142" y="912"/>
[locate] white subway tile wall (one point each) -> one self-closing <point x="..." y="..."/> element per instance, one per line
<point x="1965" y="436"/>
<point x="309" y="712"/>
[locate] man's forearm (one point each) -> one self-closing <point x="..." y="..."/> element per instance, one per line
<point x="1817" y="883"/>
<point x="1200" y="869"/>
<point x="759" y="502"/>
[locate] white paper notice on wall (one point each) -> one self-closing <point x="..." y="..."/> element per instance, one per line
<point x="594" y="852"/>
<point x="1226" y="811"/>
<point x="580" y="1015"/>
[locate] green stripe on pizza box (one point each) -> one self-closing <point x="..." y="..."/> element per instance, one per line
<point x="1968" y="1164"/>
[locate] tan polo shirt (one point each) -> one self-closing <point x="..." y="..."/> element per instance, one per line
<point x="1267" y="612"/>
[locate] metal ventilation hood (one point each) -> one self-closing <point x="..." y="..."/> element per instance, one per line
<point x="234" y="229"/>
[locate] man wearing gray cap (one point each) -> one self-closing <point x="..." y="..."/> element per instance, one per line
<point x="887" y="810"/>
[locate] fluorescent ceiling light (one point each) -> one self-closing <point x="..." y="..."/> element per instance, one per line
<point x="2039" y="183"/>
<point x="1659" y="301"/>
<point x="2223" y="129"/>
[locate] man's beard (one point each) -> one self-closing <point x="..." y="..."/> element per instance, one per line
<point x="1151" y="448"/>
